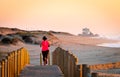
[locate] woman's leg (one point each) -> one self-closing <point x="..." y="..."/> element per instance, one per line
<point x="44" y="54"/>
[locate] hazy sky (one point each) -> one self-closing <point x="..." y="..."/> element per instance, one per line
<point x="101" y="16"/>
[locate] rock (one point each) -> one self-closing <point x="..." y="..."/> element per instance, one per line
<point x="6" y="40"/>
<point x="27" y="39"/>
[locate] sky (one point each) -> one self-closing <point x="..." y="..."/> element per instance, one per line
<point x="100" y="16"/>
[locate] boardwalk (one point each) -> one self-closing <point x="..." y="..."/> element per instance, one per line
<point x="41" y="71"/>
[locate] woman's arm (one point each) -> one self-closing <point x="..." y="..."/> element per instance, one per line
<point x="40" y="44"/>
<point x="48" y="44"/>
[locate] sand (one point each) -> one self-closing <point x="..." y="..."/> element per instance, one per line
<point x="87" y="51"/>
<point x="83" y="47"/>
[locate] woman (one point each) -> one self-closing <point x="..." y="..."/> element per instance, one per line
<point x="45" y="49"/>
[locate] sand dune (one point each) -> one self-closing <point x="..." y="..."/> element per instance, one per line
<point x="72" y="39"/>
<point x="83" y="47"/>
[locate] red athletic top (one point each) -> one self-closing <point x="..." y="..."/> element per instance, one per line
<point x="44" y="45"/>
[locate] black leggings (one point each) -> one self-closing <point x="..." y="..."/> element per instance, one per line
<point x="45" y="54"/>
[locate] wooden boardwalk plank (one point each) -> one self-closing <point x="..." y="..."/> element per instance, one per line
<point x="41" y="71"/>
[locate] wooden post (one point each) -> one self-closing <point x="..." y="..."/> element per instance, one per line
<point x="3" y="68"/>
<point x="94" y="75"/>
<point x="8" y="64"/>
<point x="54" y="58"/>
<point x="57" y="57"/>
<point x="28" y="58"/>
<point x="71" y="65"/>
<point x="13" y="63"/>
<point x="25" y="56"/>
<point x="0" y="69"/>
<point x="60" y="61"/>
<point x="76" y="62"/>
<point x="21" y="59"/>
<point x="6" y="67"/>
<point x="40" y="59"/>
<point x="84" y="70"/>
<point x="69" y="60"/>
<point x="24" y="53"/>
<point x="88" y="72"/>
<point x="66" y="63"/>
<point x="63" y="60"/>
<point x="18" y="61"/>
<point x="49" y="58"/>
<point x="15" y="56"/>
<point x="79" y="71"/>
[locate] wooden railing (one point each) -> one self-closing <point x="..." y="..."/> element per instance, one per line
<point x="69" y="63"/>
<point x="70" y="68"/>
<point x="12" y="64"/>
<point x="105" y="66"/>
<point x="104" y="75"/>
<point x="108" y="66"/>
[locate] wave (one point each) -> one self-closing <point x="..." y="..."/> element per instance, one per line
<point x="115" y="45"/>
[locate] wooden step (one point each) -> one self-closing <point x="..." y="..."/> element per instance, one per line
<point x="41" y="71"/>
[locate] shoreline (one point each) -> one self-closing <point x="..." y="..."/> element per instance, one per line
<point x="111" y="45"/>
<point x="84" y="48"/>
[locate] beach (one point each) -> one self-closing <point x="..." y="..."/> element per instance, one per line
<point x="84" y="48"/>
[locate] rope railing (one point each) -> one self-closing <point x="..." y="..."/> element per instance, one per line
<point x="14" y="62"/>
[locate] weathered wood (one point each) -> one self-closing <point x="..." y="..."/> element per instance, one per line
<point x="41" y="71"/>
<point x="94" y="75"/>
<point x="40" y="58"/>
<point x="66" y="64"/>
<point x="6" y="67"/>
<point x="66" y="61"/>
<point x="13" y="63"/>
<point x="8" y="64"/>
<point x="79" y="71"/>
<point x="84" y="70"/>
<point x="19" y="62"/>
<point x="15" y="56"/>
<point x="3" y="68"/>
<point x="49" y="59"/>
<point x="69" y="70"/>
<point x="0" y="69"/>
